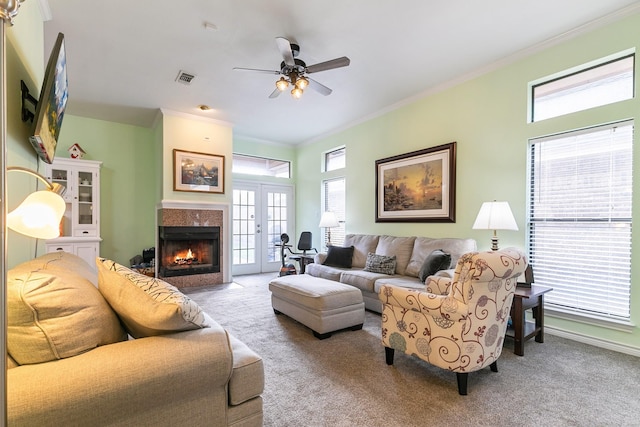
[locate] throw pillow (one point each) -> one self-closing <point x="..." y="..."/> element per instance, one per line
<point x="147" y="306"/>
<point x="380" y="264"/>
<point x="435" y="261"/>
<point x="339" y="257"/>
<point x="54" y="313"/>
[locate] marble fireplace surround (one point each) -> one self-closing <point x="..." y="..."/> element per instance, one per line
<point x="174" y="213"/>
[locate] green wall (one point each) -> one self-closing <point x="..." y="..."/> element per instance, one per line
<point x="24" y="53"/>
<point x="127" y="181"/>
<point x="487" y="117"/>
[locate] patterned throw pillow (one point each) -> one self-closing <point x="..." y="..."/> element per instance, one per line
<point x="380" y="264"/>
<point x="147" y="306"/>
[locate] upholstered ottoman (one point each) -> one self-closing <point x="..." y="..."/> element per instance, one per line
<point x="323" y="305"/>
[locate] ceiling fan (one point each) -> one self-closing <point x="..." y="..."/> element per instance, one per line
<point x="293" y="71"/>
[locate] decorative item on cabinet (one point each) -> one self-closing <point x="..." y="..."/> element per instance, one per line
<point x="76" y="152"/>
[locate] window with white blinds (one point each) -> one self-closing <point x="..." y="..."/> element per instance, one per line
<point x="579" y="220"/>
<point x="334" y="199"/>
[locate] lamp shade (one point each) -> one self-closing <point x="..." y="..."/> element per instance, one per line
<point x="38" y="215"/>
<point x="495" y="216"/>
<point x="329" y="220"/>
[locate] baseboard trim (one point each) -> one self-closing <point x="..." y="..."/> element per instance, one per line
<point x="597" y="342"/>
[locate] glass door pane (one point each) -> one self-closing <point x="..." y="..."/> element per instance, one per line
<point x="245" y="230"/>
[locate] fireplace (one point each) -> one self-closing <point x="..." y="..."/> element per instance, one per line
<point x="186" y="250"/>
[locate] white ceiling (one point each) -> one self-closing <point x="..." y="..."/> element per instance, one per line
<point x="124" y="56"/>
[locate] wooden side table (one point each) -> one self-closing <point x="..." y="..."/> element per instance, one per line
<point x="524" y="298"/>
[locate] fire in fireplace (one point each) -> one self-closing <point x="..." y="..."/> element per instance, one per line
<point x="188" y="250"/>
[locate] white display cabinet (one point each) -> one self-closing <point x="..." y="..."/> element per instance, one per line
<point x="80" y="225"/>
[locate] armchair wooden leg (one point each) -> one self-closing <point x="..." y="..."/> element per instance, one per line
<point x="462" y="382"/>
<point x="388" y="352"/>
<point x="494" y="366"/>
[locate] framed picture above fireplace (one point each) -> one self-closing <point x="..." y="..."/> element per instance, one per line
<point x="198" y="172"/>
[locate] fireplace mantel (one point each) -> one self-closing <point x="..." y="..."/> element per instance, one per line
<point x="204" y="214"/>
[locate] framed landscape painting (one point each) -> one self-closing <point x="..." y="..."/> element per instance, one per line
<point x="199" y="172"/>
<point x="417" y="186"/>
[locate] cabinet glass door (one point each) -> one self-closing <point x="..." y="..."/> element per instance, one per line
<point x="63" y="177"/>
<point x="85" y="198"/>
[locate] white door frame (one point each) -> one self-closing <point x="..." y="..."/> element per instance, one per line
<point x="263" y="250"/>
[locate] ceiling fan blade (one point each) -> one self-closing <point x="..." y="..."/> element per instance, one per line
<point x="319" y="87"/>
<point x="275" y="93"/>
<point x="257" y="70"/>
<point x="285" y="50"/>
<point x="329" y="65"/>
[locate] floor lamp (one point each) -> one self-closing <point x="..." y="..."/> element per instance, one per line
<point x="8" y="9"/>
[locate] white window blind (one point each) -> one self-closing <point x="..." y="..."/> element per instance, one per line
<point x="334" y="194"/>
<point x="579" y="223"/>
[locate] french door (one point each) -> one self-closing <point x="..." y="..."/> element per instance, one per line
<point x="260" y="214"/>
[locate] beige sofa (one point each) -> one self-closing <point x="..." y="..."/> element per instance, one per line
<point x="73" y="359"/>
<point x="410" y="253"/>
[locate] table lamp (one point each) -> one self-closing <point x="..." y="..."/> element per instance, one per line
<point x="495" y="216"/>
<point x="329" y="220"/>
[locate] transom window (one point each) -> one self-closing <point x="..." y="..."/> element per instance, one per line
<point x="579" y="220"/>
<point x="335" y="159"/>
<point x="261" y="166"/>
<point x="592" y="86"/>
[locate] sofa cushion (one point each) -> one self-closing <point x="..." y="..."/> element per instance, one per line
<point x="380" y="264"/>
<point x="339" y="257"/>
<point x="402" y="281"/>
<point x="362" y="245"/>
<point x="54" y="312"/>
<point x="423" y="246"/>
<point x="147" y="306"/>
<point x="400" y="247"/>
<point x="324" y="271"/>
<point x="363" y="280"/>
<point x="436" y="261"/>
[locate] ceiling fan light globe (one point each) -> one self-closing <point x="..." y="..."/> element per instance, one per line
<point x="296" y="93"/>
<point x="282" y="84"/>
<point x="302" y="83"/>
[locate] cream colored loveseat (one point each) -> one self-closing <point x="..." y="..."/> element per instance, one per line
<point x="410" y="254"/>
<point x="72" y="362"/>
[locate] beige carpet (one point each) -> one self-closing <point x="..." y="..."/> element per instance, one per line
<point x="344" y="381"/>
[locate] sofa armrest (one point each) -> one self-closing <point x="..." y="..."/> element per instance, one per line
<point x="424" y="302"/>
<point x="319" y="258"/>
<point x="145" y="381"/>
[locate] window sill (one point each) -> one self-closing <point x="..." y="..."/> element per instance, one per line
<point x="574" y="316"/>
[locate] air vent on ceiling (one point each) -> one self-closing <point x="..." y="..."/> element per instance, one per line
<point x="185" y="78"/>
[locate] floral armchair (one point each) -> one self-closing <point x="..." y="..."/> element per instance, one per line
<point x="457" y="324"/>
